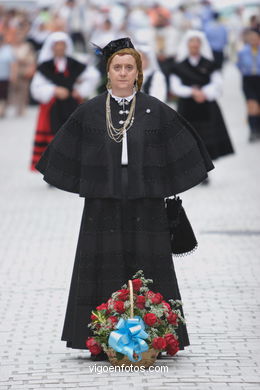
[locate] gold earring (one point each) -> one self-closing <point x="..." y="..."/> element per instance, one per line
<point x="108" y="85"/>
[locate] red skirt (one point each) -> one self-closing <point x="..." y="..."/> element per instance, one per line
<point x="43" y="134"/>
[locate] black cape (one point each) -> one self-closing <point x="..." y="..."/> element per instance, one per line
<point x="205" y="117"/>
<point x="166" y="155"/>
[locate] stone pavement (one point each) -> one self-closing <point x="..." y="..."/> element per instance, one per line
<point x="219" y="283"/>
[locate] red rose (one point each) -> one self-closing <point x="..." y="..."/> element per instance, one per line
<point x="93" y="317"/>
<point x="167" y="306"/>
<point x="137" y="284"/>
<point x="172" y="346"/>
<point x="150" y="319"/>
<point x="123" y="294"/>
<point x="172" y="318"/>
<point x="157" y="298"/>
<point x="168" y="337"/>
<point x="150" y="294"/>
<point x="159" y="343"/>
<point x="113" y="319"/>
<point x="140" y="301"/>
<point x="119" y="306"/>
<point x="93" y="346"/>
<point x="103" y="306"/>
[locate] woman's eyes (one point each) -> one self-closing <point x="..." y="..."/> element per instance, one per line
<point x="128" y="67"/>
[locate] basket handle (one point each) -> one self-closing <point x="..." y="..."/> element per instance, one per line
<point x="130" y="284"/>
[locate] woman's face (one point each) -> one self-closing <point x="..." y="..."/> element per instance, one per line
<point x="59" y="49"/>
<point x="194" y="45"/>
<point x="123" y="72"/>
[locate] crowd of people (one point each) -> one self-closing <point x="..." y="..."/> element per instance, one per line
<point x="170" y="39"/>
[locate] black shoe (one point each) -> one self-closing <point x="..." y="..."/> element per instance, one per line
<point x="99" y="357"/>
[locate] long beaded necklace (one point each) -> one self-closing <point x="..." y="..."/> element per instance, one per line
<point x="117" y="133"/>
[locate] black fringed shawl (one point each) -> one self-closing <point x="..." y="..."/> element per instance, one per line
<point x="166" y="156"/>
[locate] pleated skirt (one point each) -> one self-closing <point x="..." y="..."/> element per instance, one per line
<point x="117" y="238"/>
<point x="209" y="122"/>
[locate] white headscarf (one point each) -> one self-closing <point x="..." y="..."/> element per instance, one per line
<point x="150" y="54"/>
<point x="46" y="52"/>
<point x="183" y="51"/>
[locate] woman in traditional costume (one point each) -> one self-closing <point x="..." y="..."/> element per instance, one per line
<point x="123" y="151"/>
<point x="198" y="84"/>
<point x="154" y="82"/>
<point x="60" y="84"/>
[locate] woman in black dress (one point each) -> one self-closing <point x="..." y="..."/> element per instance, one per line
<point x="197" y="84"/>
<point x="123" y="151"/>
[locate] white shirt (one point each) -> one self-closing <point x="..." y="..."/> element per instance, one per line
<point x="121" y="101"/>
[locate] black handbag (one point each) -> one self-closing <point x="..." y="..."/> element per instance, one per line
<point x="183" y="240"/>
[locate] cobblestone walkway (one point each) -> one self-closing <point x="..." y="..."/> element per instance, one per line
<point x="219" y="283"/>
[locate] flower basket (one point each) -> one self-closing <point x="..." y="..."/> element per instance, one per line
<point x="148" y="357"/>
<point x="130" y="339"/>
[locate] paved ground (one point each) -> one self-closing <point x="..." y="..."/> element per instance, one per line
<point x="219" y="283"/>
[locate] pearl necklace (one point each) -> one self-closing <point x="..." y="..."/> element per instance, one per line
<point x="117" y="133"/>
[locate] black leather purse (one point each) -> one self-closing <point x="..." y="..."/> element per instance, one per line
<point x="183" y="240"/>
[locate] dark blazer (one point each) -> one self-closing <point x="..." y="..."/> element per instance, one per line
<point x="166" y="156"/>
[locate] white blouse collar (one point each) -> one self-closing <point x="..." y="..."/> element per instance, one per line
<point x="120" y="98"/>
<point x="194" y="60"/>
<point x="61" y="63"/>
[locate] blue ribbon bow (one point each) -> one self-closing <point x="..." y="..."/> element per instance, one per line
<point x="129" y="338"/>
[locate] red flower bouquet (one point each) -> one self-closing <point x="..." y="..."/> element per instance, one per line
<point x="135" y="324"/>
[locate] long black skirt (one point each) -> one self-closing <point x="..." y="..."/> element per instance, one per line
<point x="117" y="238"/>
<point x="208" y="120"/>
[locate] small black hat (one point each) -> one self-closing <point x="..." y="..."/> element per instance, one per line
<point x="114" y="46"/>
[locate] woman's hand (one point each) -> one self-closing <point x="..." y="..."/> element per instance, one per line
<point x="76" y="95"/>
<point x="198" y="95"/>
<point x="61" y="93"/>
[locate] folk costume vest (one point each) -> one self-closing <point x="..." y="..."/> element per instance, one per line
<point x="192" y="76"/>
<point x="61" y="109"/>
<point x="166" y="156"/>
<point x="206" y="117"/>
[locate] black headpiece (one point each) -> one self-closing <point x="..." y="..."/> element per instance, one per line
<point x="113" y="46"/>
